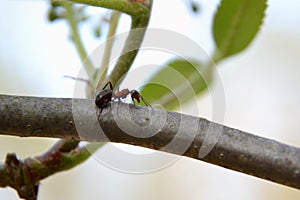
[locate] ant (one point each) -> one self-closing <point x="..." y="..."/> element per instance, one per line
<point x="104" y="97"/>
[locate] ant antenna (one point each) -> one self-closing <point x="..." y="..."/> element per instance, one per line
<point x="145" y="101"/>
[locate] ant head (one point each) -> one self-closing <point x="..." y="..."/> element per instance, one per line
<point x="135" y="95"/>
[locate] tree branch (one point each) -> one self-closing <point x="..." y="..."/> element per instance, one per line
<point x="156" y="129"/>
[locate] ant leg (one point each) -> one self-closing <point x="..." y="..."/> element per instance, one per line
<point x="132" y="98"/>
<point x="110" y="85"/>
<point x="145" y="101"/>
<point x="104" y="106"/>
<point x="119" y="98"/>
<point x="98" y="114"/>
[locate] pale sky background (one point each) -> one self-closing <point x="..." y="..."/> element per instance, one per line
<point x="261" y="87"/>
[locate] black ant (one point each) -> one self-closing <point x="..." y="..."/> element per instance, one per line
<point x="104" y="97"/>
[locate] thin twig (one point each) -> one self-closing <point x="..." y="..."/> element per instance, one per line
<point x="101" y="73"/>
<point x="173" y="132"/>
<point x="130" y="50"/>
<point x="25" y="175"/>
<point x="140" y="16"/>
<point x="73" y="23"/>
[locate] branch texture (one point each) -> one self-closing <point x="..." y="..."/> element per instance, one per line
<point x="151" y="128"/>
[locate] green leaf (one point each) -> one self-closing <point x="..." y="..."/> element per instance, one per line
<point x="177" y="82"/>
<point x="236" y="23"/>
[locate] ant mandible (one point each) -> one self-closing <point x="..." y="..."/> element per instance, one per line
<point x="104" y="97"/>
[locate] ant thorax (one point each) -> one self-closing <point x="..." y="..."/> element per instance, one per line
<point x="106" y="96"/>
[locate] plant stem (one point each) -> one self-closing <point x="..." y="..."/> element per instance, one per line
<point x="140" y="16"/>
<point x="132" y="45"/>
<point x="133" y="9"/>
<point x="216" y="56"/>
<point x="25" y="175"/>
<point x="73" y="23"/>
<point x="102" y="71"/>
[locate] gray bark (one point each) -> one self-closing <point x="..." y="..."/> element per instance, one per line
<point x="157" y="129"/>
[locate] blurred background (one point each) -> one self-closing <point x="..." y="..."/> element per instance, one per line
<point x="262" y="96"/>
